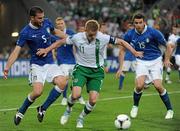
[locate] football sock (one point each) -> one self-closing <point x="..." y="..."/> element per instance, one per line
<point x="70" y="103"/>
<point x="53" y="95"/>
<point x="65" y="91"/>
<point x="87" y="109"/>
<point x="136" y="97"/>
<point x="168" y="72"/>
<point x="26" y="104"/>
<point x="121" y="80"/>
<point x="165" y="98"/>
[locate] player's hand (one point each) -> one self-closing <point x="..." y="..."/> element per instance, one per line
<point x="139" y="54"/>
<point x="167" y="63"/>
<point x="41" y="52"/>
<point x="118" y="73"/>
<point x="5" y="73"/>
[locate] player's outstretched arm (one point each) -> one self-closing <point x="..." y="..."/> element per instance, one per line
<point x="130" y="48"/>
<point x="12" y="58"/>
<point x="59" y="33"/>
<point x="43" y="52"/>
<point x="121" y="60"/>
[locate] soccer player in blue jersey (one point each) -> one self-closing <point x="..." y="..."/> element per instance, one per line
<point x="65" y="57"/>
<point x="37" y="34"/>
<point x="147" y="39"/>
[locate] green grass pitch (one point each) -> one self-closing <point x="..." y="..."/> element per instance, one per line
<point x="111" y="103"/>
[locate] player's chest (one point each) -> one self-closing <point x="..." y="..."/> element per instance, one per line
<point x="39" y="36"/>
<point x="141" y="41"/>
<point x="89" y="48"/>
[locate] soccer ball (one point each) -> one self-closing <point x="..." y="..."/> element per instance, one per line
<point x="122" y="121"/>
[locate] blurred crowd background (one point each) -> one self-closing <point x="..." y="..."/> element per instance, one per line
<point x="116" y="14"/>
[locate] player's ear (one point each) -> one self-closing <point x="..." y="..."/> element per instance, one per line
<point x="32" y="17"/>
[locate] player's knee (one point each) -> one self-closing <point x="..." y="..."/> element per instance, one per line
<point x="92" y="100"/>
<point x="139" y="87"/>
<point x="60" y="81"/>
<point x="76" y="96"/>
<point x="37" y="93"/>
<point x="158" y="85"/>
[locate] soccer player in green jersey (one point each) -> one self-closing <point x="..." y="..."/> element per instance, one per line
<point x="90" y="46"/>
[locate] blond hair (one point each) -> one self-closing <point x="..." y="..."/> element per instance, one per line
<point x="92" y="25"/>
<point x="58" y="19"/>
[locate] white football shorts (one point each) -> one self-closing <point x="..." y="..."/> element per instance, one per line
<point x="66" y="69"/>
<point x="127" y="65"/>
<point x="152" y="69"/>
<point x="44" y="73"/>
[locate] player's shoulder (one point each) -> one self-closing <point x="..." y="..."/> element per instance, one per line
<point x="101" y="35"/>
<point x="130" y="32"/>
<point x="25" y="30"/>
<point x="152" y="30"/>
<point x="78" y="36"/>
<point x="47" y="20"/>
<point x="172" y="36"/>
<point x="70" y="32"/>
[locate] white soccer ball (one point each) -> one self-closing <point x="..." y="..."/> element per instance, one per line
<point x="122" y="121"/>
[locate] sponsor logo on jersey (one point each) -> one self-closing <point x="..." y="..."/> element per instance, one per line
<point x="75" y="80"/>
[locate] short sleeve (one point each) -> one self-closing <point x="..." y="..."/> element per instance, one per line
<point x="108" y="38"/>
<point x="127" y="37"/>
<point x="51" y="25"/>
<point x="21" y="40"/>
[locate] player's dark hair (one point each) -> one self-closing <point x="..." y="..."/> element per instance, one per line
<point x="34" y="10"/>
<point x="138" y="16"/>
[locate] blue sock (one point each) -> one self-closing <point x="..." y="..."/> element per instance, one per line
<point x="25" y="106"/>
<point x="166" y="100"/>
<point x="65" y="91"/>
<point x="136" y="98"/>
<point x="179" y="74"/>
<point x="121" y="80"/>
<point x="53" y="95"/>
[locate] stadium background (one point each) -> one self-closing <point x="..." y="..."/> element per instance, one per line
<point x="115" y="13"/>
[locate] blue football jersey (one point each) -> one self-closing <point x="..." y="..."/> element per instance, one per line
<point x="178" y="47"/>
<point x="65" y="52"/>
<point x="148" y="42"/>
<point x="35" y="39"/>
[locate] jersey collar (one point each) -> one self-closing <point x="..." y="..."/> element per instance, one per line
<point x="32" y="26"/>
<point x="145" y="28"/>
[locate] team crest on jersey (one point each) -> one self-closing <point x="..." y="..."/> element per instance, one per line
<point x="75" y="80"/>
<point x="147" y="40"/>
<point x="48" y="30"/>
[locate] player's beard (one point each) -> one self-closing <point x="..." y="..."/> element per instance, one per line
<point x="37" y="24"/>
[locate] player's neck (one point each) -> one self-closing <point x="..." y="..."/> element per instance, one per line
<point x="141" y="32"/>
<point x="32" y="26"/>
